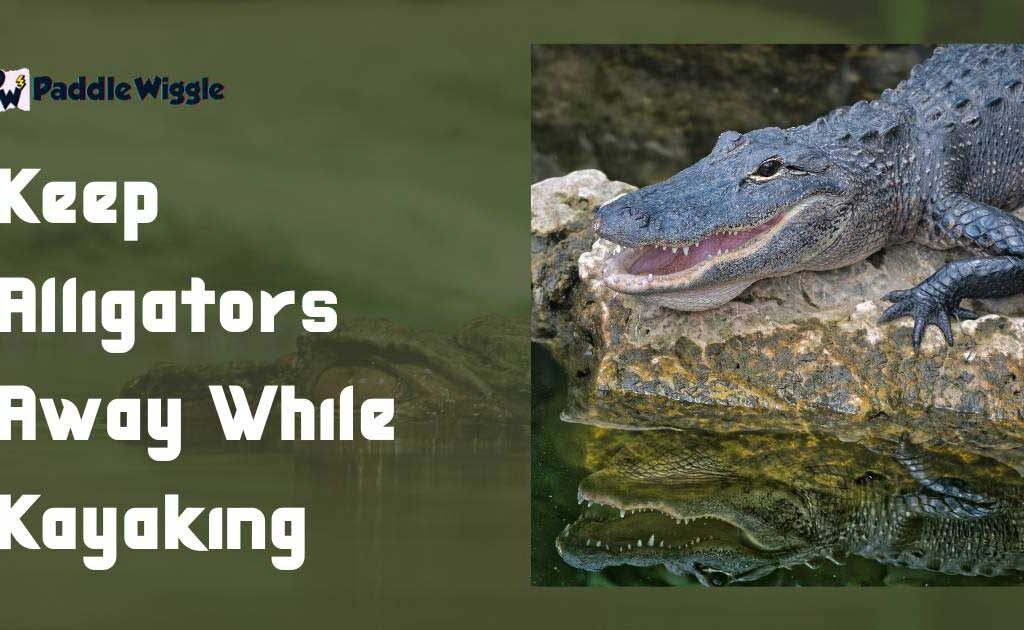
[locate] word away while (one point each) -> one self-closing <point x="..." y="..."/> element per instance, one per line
<point x="128" y="418"/>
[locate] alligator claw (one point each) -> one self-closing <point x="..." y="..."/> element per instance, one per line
<point x="942" y="321"/>
<point x="965" y="313"/>
<point x="926" y="309"/>
<point x="896" y="296"/>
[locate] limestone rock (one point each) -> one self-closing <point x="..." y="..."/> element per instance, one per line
<point x="560" y="226"/>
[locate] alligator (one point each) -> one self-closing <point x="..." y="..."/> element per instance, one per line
<point x="733" y="509"/>
<point x="449" y="389"/>
<point x="937" y="160"/>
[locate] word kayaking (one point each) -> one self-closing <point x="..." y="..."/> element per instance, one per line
<point x="160" y="419"/>
<point x="101" y="530"/>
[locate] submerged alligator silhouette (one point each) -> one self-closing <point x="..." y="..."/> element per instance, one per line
<point x="470" y="386"/>
<point x="739" y="507"/>
<point x="938" y="160"/>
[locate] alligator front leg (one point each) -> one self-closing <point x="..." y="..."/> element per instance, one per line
<point x="949" y="497"/>
<point x="977" y="227"/>
<point x="937" y="298"/>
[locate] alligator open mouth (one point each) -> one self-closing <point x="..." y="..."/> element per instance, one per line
<point x="619" y="531"/>
<point x="606" y="535"/>
<point x="663" y="260"/>
<point x="670" y="266"/>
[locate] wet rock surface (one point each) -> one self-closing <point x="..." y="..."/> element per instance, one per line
<point x="804" y="348"/>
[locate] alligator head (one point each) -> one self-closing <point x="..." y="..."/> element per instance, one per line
<point x="664" y="501"/>
<point x="736" y="508"/>
<point x="763" y="204"/>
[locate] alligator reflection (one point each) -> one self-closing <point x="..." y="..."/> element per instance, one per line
<point x="737" y="508"/>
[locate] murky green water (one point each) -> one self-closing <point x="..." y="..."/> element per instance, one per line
<point x="625" y="508"/>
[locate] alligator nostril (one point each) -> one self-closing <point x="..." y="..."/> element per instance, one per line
<point x="638" y="215"/>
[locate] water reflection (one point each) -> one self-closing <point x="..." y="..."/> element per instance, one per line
<point x="737" y="508"/>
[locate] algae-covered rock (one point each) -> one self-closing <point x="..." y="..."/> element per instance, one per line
<point x="807" y="344"/>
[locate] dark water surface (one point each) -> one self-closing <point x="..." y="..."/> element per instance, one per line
<point x="666" y="507"/>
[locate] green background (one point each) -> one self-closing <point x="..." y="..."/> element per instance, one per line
<point x="380" y="150"/>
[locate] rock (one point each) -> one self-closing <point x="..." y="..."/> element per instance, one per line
<point x="560" y="226"/>
<point x="804" y="348"/>
<point x="564" y="203"/>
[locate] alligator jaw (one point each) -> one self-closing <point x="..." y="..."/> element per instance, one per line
<point x="606" y="535"/>
<point x="605" y="504"/>
<point x="670" y="273"/>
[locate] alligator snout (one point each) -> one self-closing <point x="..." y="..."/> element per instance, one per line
<point x="624" y="223"/>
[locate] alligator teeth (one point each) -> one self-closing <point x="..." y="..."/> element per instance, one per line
<point x="719" y="253"/>
<point x="618" y="249"/>
<point x="622" y="513"/>
<point x="686" y="250"/>
<point x="639" y="543"/>
<point x="588" y="542"/>
<point x="650" y="541"/>
<point x="675" y="249"/>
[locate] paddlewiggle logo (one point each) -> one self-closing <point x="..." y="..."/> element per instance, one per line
<point x="18" y="89"/>
<point x="14" y="90"/>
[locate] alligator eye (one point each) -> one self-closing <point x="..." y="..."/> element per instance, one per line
<point x="769" y="168"/>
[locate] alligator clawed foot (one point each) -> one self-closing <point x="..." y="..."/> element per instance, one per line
<point x="926" y="308"/>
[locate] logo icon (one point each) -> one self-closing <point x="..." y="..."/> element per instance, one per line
<point x="15" y="92"/>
